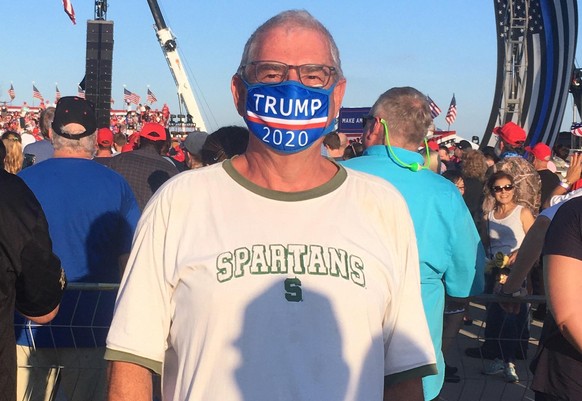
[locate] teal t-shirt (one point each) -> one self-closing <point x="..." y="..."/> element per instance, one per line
<point x="451" y="254"/>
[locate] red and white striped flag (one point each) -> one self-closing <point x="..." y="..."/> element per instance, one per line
<point x="434" y="109"/>
<point x="130" y="97"/>
<point x="452" y="112"/>
<point x="68" y="6"/>
<point x="151" y="97"/>
<point x="36" y="93"/>
<point x="576" y="129"/>
<point x="11" y="92"/>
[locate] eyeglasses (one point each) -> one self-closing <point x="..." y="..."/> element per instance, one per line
<point x="13" y="138"/>
<point x="367" y="118"/>
<point x="274" y="72"/>
<point x="507" y="188"/>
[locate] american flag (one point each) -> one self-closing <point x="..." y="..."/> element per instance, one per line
<point x="151" y="97"/>
<point x="68" y="6"/>
<point x="434" y="109"/>
<point x="452" y="112"/>
<point x="549" y="56"/>
<point x="576" y="129"/>
<point x="80" y="92"/>
<point x="11" y="92"/>
<point x="57" y="94"/>
<point x="130" y="97"/>
<point x="36" y="93"/>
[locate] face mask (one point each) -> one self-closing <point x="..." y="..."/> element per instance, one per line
<point x="288" y="117"/>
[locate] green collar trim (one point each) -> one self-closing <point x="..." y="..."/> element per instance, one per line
<point x="330" y="186"/>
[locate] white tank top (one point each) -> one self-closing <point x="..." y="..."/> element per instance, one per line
<point x="505" y="235"/>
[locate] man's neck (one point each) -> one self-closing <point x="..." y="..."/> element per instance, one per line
<point x="296" y="172"/>
<point x="104" y="153"/>
<point x="70" y="153"/>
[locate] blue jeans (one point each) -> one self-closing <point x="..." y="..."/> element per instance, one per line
<point x="506" y="335"/>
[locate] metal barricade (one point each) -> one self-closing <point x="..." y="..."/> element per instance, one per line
<point x="46" y="378"/>
<point x="476" y="386"/>
<point x="63" y="360"/>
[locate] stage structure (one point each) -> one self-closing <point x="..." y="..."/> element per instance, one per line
<point x="536" y="43"/>
<point x="99" y="63"/>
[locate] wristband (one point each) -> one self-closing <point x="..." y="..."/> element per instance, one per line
<point x="565" y="185"/>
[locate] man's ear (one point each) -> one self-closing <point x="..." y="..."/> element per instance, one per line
<point x="239" y="94"/>
<point x="373" y="135"/>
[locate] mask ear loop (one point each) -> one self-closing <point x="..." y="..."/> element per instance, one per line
<point x="414" y="166"/>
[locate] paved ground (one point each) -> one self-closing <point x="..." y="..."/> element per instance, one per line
<point x="474" y="385"/>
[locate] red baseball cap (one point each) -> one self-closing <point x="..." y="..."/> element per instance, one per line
<point x="104" y="137"/>
<point x="511" y="133"/>
<point x="541" y="151"/>
<point x="153" y="132"/>
<point x="432" y="145"/>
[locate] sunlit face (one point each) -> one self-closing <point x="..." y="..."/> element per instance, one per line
<point x="503" y="191"/>
<point x="444" y="155"/>
<point x="293" y="46"/>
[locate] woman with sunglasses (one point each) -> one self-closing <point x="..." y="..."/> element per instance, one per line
<point x="506" y="226"/>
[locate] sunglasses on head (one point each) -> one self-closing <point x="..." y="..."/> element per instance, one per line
<point x="508" y="187"/>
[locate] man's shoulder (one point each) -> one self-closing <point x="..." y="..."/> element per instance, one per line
<point x="548" y="175"/>
<point x="514" y="165"/>
<point x="366" y="179"/>
<point x="139" y="156"/>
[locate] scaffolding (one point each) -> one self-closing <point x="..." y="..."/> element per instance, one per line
<point x="515" y="61"/>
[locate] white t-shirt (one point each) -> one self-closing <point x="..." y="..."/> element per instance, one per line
<point x="248" y="294"/>
<point x="26" y="139"/>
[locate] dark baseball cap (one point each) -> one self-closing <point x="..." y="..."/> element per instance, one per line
<point x="194" y="141"/>
<point x="73" y="109"/>
<point x="463" y="145"/>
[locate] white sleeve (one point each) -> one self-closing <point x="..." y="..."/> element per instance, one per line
<point x="142" y="313"/>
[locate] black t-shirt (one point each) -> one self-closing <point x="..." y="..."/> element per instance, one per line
<point x="549" y="182"/>
<point x="31" y="278"/>
<point x="473" y="197"/>
<point x="559" y="365"/>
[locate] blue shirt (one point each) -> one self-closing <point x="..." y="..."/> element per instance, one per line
<point x="449" y="248"/>
<point x="42" y="150"/>
<point x="92" y="216"/>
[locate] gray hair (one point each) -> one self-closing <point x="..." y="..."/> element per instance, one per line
<point x="45" y="120"/>
<point x="84" y="145"/>
<point x="407" y="114"/>
<point x="291" y="19"/>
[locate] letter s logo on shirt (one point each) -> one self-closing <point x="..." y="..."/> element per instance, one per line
<point x="293" y="291"/>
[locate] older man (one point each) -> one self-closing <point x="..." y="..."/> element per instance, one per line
<point x="450" y="251"/>
<point x="92" y="214"/>
<point x="251" y="289"/>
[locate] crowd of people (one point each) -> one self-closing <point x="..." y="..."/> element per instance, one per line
<point x="239" y="280"/>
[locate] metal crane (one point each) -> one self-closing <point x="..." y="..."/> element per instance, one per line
<point x="169" y="48"/>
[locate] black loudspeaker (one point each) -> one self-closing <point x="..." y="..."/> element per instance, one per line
<point x="98" y="68"/>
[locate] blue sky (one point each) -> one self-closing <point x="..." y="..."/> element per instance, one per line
<point x="440" y="48"/>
